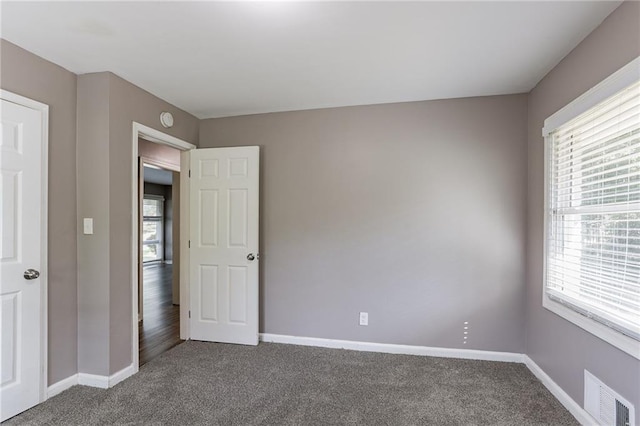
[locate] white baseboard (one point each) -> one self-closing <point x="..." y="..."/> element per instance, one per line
<point x="93" y="380"/>
<point x="105" y="382"/>
<point x="572" y="406"/>
<point x="119" y="376"/>
<point x="393" y="349"/>
<point x="62" y="385"/>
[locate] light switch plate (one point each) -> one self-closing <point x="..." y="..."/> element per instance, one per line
<point x="88" y="225"/>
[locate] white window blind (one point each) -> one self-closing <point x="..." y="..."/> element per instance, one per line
<point x="152" y="228"/>
<point x="593" y="240"/>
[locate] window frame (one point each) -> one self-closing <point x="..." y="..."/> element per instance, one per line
<point x="160" y="219"/>
<point x="616" y="82"/>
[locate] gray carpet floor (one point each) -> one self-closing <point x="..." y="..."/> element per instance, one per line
<point x="272" y="384"/>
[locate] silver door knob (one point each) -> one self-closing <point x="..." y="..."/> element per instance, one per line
<point x="250" y="256"/>
<point x="31" y="274"/>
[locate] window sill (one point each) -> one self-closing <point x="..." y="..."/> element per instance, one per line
<point x="619" y="340"/>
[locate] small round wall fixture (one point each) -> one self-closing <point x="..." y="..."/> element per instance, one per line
<point x="166" y="119"/>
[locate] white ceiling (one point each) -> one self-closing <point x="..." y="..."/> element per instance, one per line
<point x="235" y="58"/>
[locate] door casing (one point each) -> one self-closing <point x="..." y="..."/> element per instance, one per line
<point x="156" y="136"/>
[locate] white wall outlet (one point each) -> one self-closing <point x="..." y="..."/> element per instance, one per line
<point x="88" y="225"/>
<point x="364" y="318"/>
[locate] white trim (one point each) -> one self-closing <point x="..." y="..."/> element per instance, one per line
<point x="185" y="301"/>
<point x="62" y="385"/>
<point x="105" y="382"/>
<point x="159" y="164"/>
<point x="141" y="131"/>
<point x="393" y="348"/>
<point x="572" y="406"/>
<point x="617" y="81"/>
<point x="153" y="135"/>
<point x="121" y="375"/>
<point x="44" y="232"/>
<point x="93" y="380"/>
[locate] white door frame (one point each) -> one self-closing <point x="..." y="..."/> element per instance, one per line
<point x="44" y="269"/>
<point x="153" y="135"/>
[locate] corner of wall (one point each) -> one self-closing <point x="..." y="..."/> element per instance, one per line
<point x="93" y="202"/>
<point x="561" y="349"/>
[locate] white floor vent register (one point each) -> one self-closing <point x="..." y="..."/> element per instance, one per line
<point x="605" y="405"/>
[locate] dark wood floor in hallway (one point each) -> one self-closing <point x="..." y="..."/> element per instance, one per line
<point x="160" y="328"/>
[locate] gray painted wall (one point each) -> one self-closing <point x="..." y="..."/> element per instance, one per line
<point x="128" y="103"/>
<point x="93" y="202"/>
<point x="26" y="74"/>
<point x="412" y="212"/>
<point x="109" y="146"/>
<point x="560" y="348"/>
<point x="163" y="155"/>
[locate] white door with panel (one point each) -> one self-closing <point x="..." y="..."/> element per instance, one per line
<point x="21" y="257"/>
<point x="224" y="244"/>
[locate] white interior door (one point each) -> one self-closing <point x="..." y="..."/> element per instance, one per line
<point x="224" y="244"/>
<point x="21" y="259"/>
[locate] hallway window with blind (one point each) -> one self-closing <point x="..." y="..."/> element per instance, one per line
<point x="152" y="228"/>
<point x="593" y="214"/>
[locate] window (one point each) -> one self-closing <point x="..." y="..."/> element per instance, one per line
<point x="593" y="214"/>
<point x="152" y="226"/>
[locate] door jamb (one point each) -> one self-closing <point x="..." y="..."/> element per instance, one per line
<point x="44" y="233"/>
<point x="153" y="135"/>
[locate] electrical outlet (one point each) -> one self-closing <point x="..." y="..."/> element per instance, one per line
<point x="364" y="318"/>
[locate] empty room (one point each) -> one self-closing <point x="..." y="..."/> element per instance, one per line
<point x="329" y="212"/>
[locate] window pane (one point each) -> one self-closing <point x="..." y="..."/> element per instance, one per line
<point x="152" y="207"/>
<point x="151" y="252"/>
<point x="151" y="230"/>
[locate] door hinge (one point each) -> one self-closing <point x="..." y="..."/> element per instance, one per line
<point x="189" y="243"/>
<point x="189" y="314"/>
<point x="189" y="173"/>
